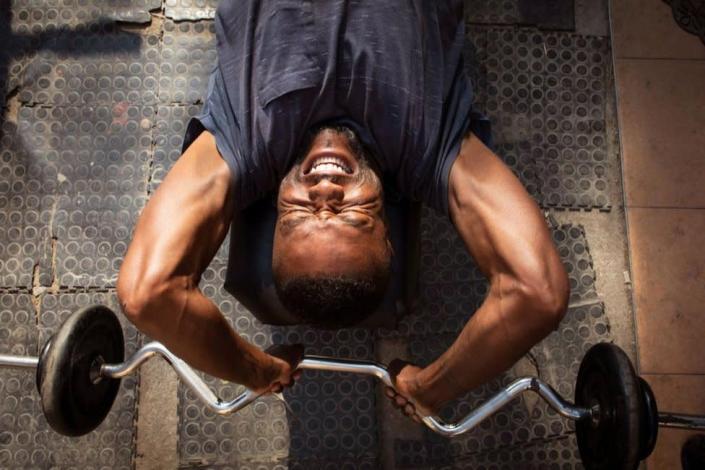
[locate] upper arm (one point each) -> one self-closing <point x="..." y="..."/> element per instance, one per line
<point x="500" y="223"/>
<point x="185" y="220"/>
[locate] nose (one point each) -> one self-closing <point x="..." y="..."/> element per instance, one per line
<point x="325" y="192"/>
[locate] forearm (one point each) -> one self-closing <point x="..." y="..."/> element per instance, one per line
<point x="500" y="332"/>
<point x="193" y="328"/>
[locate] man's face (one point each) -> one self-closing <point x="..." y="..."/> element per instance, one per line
<point x="330" y="211"/>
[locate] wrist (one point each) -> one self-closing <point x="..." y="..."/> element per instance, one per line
<point x="430" y="391"/>
<point x="265" y="371"/>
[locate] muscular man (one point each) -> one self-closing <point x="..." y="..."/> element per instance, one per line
<point x="322" y="101"/>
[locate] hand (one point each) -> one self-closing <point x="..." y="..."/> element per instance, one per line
<point x="281" y="372"/>
<point x="408" y="394"/>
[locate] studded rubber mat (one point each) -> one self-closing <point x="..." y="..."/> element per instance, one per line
<point x="546" y="96"/>
<point x="25" y="211"/>
<point x="187" y="59"/>
<point x="90" y="67"/>
<point x="94" y="160"/>
<point x="542" y="454"/>
<point x="19" y="407"/>
<point x="26" y="440"/>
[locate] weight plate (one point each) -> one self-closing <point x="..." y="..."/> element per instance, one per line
<point x="607" y="381"/>
<point x="74" y="398"/>
<point x="649" y="420"/>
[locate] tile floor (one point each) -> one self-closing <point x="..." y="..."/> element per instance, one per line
<point x="660" y="72"/>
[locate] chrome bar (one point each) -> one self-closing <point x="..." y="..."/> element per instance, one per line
<point x="681" y="421"/>
<point x="22" y="362"/>
<point x="185" y="373"/>
<point x="347" y="365"/>
<point x="503" y="397"/>
<point x="374" y="369"/>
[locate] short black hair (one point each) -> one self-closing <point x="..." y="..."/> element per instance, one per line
<point x="333" y="301"/>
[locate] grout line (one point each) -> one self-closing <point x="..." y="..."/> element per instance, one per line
<point x="631" y="292"/>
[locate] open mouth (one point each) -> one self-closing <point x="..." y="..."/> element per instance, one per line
<point x="328" y="164"/>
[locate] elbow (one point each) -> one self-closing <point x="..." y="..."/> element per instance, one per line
<point x="138" y="297"/>
<point x="548" y="299"/>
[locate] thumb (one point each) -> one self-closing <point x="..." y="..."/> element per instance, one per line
<point x="395" y="367"/>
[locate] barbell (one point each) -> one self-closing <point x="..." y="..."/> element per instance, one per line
<point x="79" y="368"/>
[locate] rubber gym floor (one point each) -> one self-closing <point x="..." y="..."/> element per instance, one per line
<point x="95" y="97"/>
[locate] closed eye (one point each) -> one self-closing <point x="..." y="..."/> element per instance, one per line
<point x="357" y="221"/>
<point x="287" y="224"/>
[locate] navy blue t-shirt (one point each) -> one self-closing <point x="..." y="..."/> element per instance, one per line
<point x="392" y="70"/>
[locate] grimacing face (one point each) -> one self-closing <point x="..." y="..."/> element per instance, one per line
<point x="330" y="212"/>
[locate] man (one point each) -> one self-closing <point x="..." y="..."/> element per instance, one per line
<point x="322" y="101"/>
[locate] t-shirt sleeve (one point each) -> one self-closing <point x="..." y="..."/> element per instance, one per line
<point x="215" y="118"/>
<point x="459" y="119"/>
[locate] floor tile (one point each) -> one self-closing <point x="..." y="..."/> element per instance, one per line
<point x="661" y="118"/>
<point x="668" y="266"/>
<point x="678" y="393"/>
<point x="667" y="453"/>
<point x="646" y="28"/>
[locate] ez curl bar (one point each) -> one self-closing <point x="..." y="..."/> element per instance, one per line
<point x="79" y="370"/>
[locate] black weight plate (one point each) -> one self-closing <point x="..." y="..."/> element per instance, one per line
<point x="649" y="420"/>
<point x="606" y="378"/>
<point x="73" y="403"/>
